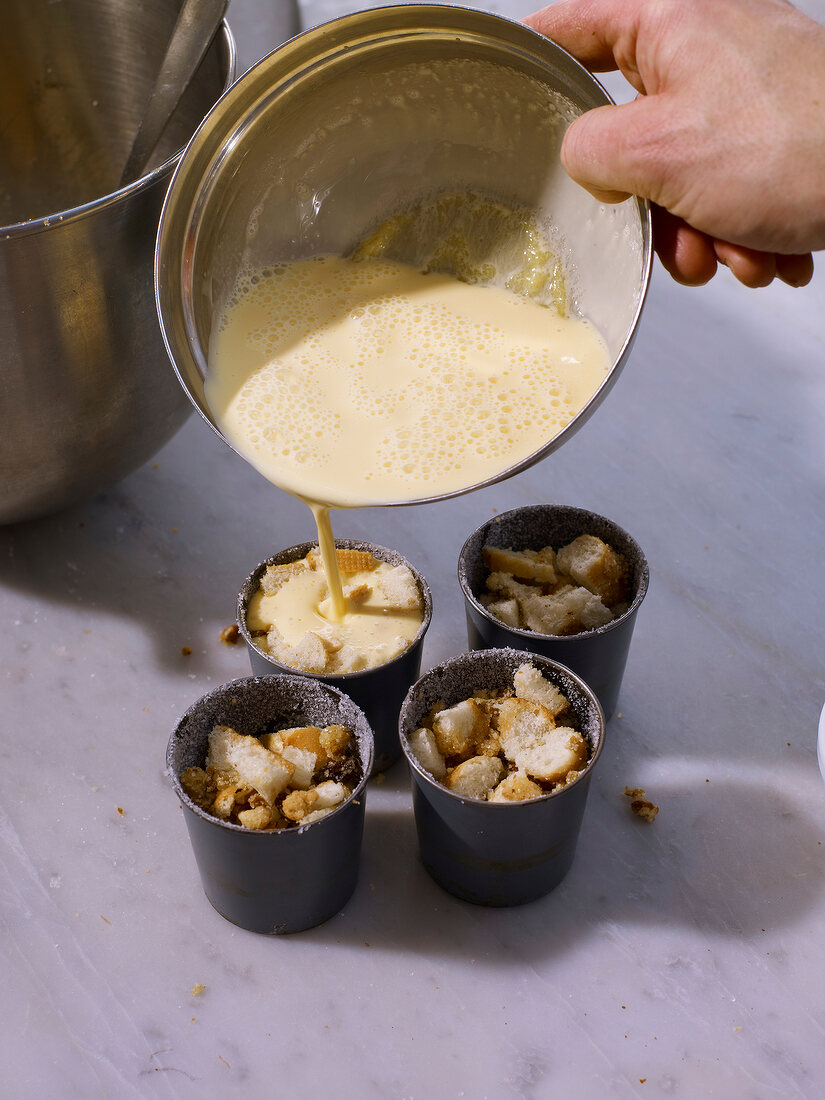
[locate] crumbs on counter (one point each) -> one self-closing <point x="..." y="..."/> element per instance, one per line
<point x="197" y="989"/>
<point x="640" y="805"/>
<point x="186" y="651"/>
<point x="230" y="634"/>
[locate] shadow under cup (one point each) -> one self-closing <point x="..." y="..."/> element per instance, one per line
<point x="378" y="691"/>
<point x="497" y="853"/>
<point x="273" y="881"/>
<point x="599" y="656"/>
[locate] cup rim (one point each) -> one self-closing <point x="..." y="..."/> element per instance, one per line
<point x="241" y="684"/>
<point x="522" y="632"/>
<point x="479" y="655"/>
<point x="301" y="549"/>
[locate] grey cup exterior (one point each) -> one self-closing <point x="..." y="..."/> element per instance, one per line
<point x="380" y="691"/>
<point x="279" y="881"/>
<point x="598" y="656"/>
<point x="497" y="853"/>
<point x="87" y="394"/>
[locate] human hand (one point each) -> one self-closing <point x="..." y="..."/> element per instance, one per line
<point x="726" y="136"/>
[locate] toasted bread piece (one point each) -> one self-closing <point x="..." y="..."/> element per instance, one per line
<point x="298" y="804"/>
<point x="304" y="763"/>
<point x="570" y="610"/>
<point x="516" y="787"/>
<point x="460" y="728"/>
<point x="347" y="659"/>
<point x="522" y="720"/>
<point x="530" y="684"/>
<point x="329" y="794"/>
<point x="356" y="561"/>
<point x="275" y="577"/>
<point x="307" y="738"/>
<point x="311" y="655"/>
<point x="424" y="748"/>
<point x="528" y="565"/>
<point x="255" y="765"/>
<point x="476" y="777"/>
<point x="316" y="815"/>
<point x="504" y="585"/>
<point x="200" y="786"/>
<point x="334" y="740"/>
<point x="356" y="594"/>
<point x="563" y="751"/>
<point x="596" y="566"/>
<point x="505" y="610"/>
<point x="398" y="589"/>
<point x="227" y="798"/>
<point x="258" y="817"/>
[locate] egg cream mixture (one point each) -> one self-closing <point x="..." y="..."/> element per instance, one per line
<point x="356" y="383"/>
<point x="360" y="381"/>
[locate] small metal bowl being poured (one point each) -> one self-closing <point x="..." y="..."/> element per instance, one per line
<point x="353" y="121"/>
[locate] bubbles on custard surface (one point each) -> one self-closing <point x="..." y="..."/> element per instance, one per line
<point x="373" y="358"/>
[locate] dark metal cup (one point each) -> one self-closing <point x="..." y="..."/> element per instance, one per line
<point x="378" y="691"/>
<point x="273" y="881"/>
<point x="599" y="656"/>
<point x="497" y="853"/>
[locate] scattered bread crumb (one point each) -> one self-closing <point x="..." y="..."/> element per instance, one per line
<point x="230" y="634"/>
<point x="197" y="989"/>
<point x="641" y="806"/>
<point x="186" y="651"/>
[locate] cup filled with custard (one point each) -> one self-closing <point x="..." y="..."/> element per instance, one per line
<point x="366" y="638"/>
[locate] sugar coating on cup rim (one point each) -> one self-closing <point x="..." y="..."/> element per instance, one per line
<point x="261" y="703"/>
<point x="534" y="526"/>
<point x="460" y="677"/>
<point x="295" y="553"/>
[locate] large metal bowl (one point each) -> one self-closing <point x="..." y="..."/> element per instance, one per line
<point x="86" y="394"/>
<point x="347" y="123"/>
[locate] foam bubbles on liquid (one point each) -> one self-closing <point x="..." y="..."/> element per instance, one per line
<point x="338" y="378"/>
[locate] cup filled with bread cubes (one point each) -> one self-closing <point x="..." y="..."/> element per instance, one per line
<point x="271" y="774"/>
<point x="558" y="581"/>
<point x="372" y="652"/>
<point x="501" y="745"/>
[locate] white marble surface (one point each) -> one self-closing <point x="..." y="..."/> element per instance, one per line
<point x="681" y="958"/>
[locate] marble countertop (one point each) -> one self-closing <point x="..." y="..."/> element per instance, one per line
<point x="684" y="957"/>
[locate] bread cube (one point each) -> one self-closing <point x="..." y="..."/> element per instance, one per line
<point x="458" y="729"/>
<point x="530" y="565"/>
<point x="258" y="817"/>
<point x="564" y="751"/>
<point x="516" y="787"/>
<point x="476" y="777"/>
<point x="298" y="804"/>
<point x="398" y="589"/>
<point x="596" y="566"/>
<point x="530" y="684"/>
<point x="424" y="748"/>
<point x="304" y="762"/>
<point x="257" y="767"/>
<point x="275" y="576"/>
<point x="329" y="794"/>
<point x="506" y="610"/>
<point x="522" y="723"/>
<point x="334" y="740"/>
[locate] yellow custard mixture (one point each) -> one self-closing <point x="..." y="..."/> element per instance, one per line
<point x="361" y="382"/>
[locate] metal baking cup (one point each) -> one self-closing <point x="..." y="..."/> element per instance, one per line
<point x="273" y="881"/>
<point x="497" y="853"/>
<point x="599" y="656"/>
<point x="378" y="691"/>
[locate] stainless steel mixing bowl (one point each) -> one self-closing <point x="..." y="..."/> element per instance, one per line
<point x="341" y="127"/>
<point x="86" y="393"/>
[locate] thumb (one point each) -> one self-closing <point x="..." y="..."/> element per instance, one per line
<point x="612" y="151"/>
